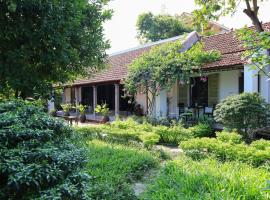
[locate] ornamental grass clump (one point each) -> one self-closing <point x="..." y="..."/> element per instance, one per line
<point x="37" y="157"/>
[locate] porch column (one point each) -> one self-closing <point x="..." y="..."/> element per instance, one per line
<point x="117" y="95"/>
<point x="94" y="98"/>
<point x="265" y="85"/>
<point x="250" y="79"/>
<point x="161" y="104"/>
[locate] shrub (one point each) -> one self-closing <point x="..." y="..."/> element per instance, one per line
<point x="208" y="179"/>
<point x="244" y="112"/>
<point x="228" y="148"/>
<point x="201" y="130"/>
<point x="230" y="137"/>
<point x="37" y="157"/>
<point x="173" y="134"/>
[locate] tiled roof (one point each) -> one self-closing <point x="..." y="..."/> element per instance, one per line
<point x="226" y="43"/>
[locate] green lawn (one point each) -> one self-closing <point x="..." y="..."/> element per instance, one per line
<point x="113" y="166"/>
<point x="185" y="179"/>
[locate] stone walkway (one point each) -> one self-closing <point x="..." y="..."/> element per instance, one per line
<point x="140" y="186"/>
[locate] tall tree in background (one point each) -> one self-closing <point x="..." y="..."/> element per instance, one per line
<point x="157" y="27"/>
<point x="257" y="41"/>
<point x="47" y="42"/>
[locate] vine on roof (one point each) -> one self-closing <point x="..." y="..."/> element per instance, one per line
<point x="163" y="66"/>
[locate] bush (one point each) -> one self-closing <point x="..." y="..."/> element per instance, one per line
<point x="173" y="134"/>
<point x="208" y="179"/>
<point x="244" y="112"/>
<point x="229" y="137"/>
<point x="201" y="130"/>
<point x="228" y="147"/>
<point x="37" y="157"/>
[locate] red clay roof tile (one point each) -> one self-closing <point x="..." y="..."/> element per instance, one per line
<point x="227" y="43"/>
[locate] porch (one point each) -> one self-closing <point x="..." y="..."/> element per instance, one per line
<point x="91" y="95"/>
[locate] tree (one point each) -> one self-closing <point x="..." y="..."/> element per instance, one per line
<point x="162" y="66"/>
<point x="256" y="40"/>
<point x="244" y="112"/>
<point x="153" y="28"/>
<point x="48" y="42"/>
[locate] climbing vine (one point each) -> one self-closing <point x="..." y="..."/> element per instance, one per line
<point x="163" y="65"/>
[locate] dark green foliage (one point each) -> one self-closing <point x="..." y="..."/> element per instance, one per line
<point x="153" y="28"/>
<point x="37" y="158"/>
<point x="46" y="42"/>
<point x="244" y="112"/>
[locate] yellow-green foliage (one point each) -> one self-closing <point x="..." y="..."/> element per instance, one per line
<point x="131" y="130"/>
<point x="228" y="146"/>
<point x="185" y="179"/>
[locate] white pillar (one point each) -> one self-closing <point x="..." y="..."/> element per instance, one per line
<point x="265" y="85"/>
<point x="94" y="98"/>
<point x="161" y="104"/>
<point x="250" y="79"/>
<point x="117" y="98"/>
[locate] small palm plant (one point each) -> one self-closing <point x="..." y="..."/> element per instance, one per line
<point x="104" y="111"/>
<point x="81" y="108"/>
<point x="66" y="108"/>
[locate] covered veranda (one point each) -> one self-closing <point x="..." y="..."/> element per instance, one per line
<point x="93" y="94"/>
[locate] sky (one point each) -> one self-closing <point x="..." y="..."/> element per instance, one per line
<point x="121" y="29"/>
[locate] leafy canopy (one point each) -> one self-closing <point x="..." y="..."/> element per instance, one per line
<point x="157" y="27"/>
<point x="257" y="45"/>
<point x="47" y="42"/>
<point x="244" y="112"/>
<point x="163" y="65"/>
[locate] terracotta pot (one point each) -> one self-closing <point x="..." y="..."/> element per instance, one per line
<point x="82" y="118"/>
<point x="105" y="119"/>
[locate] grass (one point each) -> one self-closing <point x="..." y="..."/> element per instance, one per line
<point x="208" y="179"/>
<point x="112" y="167"/>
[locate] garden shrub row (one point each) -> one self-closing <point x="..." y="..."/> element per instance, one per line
<point x="37" y="157"/>
<point x="145" y="132"/>
<point x="227" y="147"/>
<point x="185" y="179"/>
<point x="113" y="167"/>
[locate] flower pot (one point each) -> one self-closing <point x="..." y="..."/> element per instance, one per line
<point x="82" y="118"/>
<point x="105" y="119"/>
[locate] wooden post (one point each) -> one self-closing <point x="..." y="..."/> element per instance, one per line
<point x="94" y="98"/>
<point x="117" y="98"/>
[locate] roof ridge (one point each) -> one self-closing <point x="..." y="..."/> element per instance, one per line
<point x="149" y="44"/>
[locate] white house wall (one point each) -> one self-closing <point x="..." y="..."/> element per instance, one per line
<point x="173" y="98"/>
<point x="265" y="86"/>
<point x="67" y="94"/>
<point x="141" y="99"/>
<point x="228" y="83"/>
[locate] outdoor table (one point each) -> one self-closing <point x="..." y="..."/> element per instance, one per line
<point x="70" y="119"/>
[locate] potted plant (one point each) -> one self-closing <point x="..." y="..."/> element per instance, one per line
<point x="104" y="111"/>
<point x="66" y="108"/>
<point x="81" y="108"/>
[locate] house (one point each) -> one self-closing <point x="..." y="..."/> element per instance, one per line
<point x="227" y="76"/>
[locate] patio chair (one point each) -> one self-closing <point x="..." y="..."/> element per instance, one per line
<point x="208" y="111"/>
